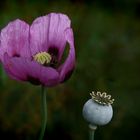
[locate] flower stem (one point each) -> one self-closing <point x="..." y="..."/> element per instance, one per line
<point x="91" y="134"/>
<point x="92" y="129"/>
<point x="43" y="112"/>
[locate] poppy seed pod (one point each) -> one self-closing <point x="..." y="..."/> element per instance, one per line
<point x="98" y="110"/>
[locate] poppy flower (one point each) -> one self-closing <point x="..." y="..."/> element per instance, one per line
<point x="34" y="52"/>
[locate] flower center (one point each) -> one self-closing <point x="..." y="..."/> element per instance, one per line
<point x="43" y="58"/>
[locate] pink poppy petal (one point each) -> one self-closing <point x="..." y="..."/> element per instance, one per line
<point x="15" y="67"/>
<point x="15" y="39"/>
<point x="49" y="76"/>
<point x="39" y="35"/>
<point x="67" y="67"/>
<point x="58" y="24"/>
<point x="22" y="69"/>
<point x="33" y="72"/>
<point x="38" y="74"/>
<point x="47" y="32"/>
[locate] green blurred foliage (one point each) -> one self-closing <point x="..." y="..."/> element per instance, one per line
<point x="107" y="41"/>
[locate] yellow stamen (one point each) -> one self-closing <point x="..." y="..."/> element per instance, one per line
<point x="43" y="58"/>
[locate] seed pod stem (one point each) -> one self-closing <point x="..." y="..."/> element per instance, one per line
<point x="92" y="129"/>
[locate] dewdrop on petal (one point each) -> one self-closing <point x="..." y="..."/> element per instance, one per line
<point x="98" y="110"/>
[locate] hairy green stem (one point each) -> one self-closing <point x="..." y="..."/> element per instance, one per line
<point x="43" y="112"/>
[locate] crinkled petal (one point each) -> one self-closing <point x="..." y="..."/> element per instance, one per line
<point x="15" y="67"/>
<point x="67" y="67"/>
<point x="22" y="69"/>
<point x="39" y="35"/>
<point x="47" y="34"/>
<point x="15" y="39"/>
<point x="38" y="74"/>
<point x="49" y="76"/>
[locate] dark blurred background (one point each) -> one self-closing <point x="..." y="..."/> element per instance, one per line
<point x="107" y="41"/>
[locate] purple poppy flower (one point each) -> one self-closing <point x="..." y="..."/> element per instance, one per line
<point x="34" y="53"/>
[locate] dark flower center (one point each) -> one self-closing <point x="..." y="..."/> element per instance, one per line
<point x="16" y="55"/>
